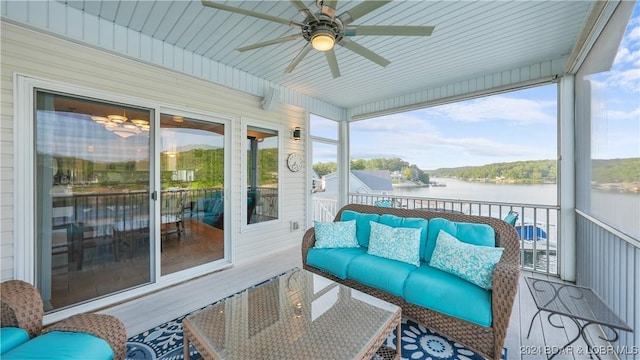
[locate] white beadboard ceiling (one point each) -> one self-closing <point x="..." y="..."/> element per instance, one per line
<point x="471" y="38"/>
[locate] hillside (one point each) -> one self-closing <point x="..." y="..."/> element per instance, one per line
<point x="605" y="173"/>
<point x="524" y="172"/>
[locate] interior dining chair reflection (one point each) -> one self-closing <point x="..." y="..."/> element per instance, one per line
<point x="172" y="212"/>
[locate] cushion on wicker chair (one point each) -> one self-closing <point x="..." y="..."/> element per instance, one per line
<point x="62" y="345"/>
<point x="11" y="337"/>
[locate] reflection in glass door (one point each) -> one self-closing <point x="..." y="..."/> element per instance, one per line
<point x="192" y="192"/>
<point x="92" y="198"/>
<point x="324" y="198"/>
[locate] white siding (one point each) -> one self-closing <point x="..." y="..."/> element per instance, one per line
<point x="101" y="33"/>
<point x="37" y="55"/>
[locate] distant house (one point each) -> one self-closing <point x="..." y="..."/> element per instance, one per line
<point x="362" y="181"/>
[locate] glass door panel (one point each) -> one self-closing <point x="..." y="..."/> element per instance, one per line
<point x="192" y="192"/>
<point x="324" y="198"/>
<point x="262" y="174"/>
<point x="92" y="198"/>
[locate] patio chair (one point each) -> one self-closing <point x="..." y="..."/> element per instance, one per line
<point x="82" y="336"/>
<point x="511" y="217"/>
<point x="384" y="203"/>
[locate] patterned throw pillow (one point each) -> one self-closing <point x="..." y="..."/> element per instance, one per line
<point x="339" y="234"/>
<point x="473" y="263"/>
<point x="396" y="243"/>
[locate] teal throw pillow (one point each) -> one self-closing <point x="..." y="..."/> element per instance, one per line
<point x="473" y="263"/>
<point x="363" y="230"/>
<point x="339" y="234"/>
<point x="395" y="243"/>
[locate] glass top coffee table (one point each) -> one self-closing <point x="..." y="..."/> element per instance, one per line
<point x="297" y="315"/>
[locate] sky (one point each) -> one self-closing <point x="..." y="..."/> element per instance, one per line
<point x="513" y="126"/>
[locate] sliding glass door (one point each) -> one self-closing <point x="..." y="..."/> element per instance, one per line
<point x="102" y="224"/>
<point x="92" y="198"/>
<point x="192" y="192"/>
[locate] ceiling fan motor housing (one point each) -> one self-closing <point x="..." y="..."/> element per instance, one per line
<point x="322" y="25"/>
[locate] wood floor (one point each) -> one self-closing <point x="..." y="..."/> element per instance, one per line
<point x="101" y="274"/>
<point x="178" y="300"/>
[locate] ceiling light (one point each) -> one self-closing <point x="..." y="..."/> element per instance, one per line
<point x="121" y="125"/>
<point x="323" y="40"/>
<point x="140" y="122"/>
<point x="118" y="119"/>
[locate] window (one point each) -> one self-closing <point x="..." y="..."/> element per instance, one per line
<point x="262" y="174"/>
<point x="607" y="131"/>
<point x="324" y="155"/>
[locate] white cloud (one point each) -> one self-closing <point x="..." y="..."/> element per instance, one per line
<point x="626" y="57"/>
<point x="619" y="115"/>
<point x="500" y="108"/>
<point x="628" y="80"/>
<point x="634" y="34"/>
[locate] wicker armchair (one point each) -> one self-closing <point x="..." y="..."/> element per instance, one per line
<point x="487" y="341"/>
<point x="22" y="307"/>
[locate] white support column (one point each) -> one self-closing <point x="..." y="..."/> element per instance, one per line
<point x="343" y="161"/>
<point x="566" y="179"/>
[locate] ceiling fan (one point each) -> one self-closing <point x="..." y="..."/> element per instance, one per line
<point x="323" y="30"/>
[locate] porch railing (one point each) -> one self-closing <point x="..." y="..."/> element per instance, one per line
<point x="536" y="224"/>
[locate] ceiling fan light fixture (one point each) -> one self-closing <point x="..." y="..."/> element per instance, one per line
<point x="323" y="40"/>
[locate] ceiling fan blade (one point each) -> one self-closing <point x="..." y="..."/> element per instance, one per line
<point x="389" y="30"/>
<point x="303" y="9"/>
<point x="361" y="10"/>
<point x="298" y="58"/>
<point x="258" y="15"/>
<point x="364" y="52"/>
<point x="329" y="8"/>
<point x="333" y="63"/>
<point x="270" y="42"/>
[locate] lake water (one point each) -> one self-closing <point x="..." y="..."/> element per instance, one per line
<point x="538" y="194"/>
<point x="620" y="210"/>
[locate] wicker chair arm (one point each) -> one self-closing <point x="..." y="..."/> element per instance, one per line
<point x="106" y="327"/>
<point x="506" y="277"/>
<point x="21" y="306"/>
<point x="308" y="241"/>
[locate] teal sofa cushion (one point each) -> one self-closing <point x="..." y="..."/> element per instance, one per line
<point x="10" y="337"/>
<point x="415" y="223"/>
<point x="60" y="345"/>
<point x="448" y="294"/>
<point x="396" y="243"/>
<point x="471" y="262"/>
<point x="335" y="261"/>
<point x="476" y="234"/>
<point x="362" y="224"/>
<point x="380" y="273"/>
<point x="338" y="234"/>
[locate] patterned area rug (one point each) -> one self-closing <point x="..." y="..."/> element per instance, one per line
<point x="165" y="342"/>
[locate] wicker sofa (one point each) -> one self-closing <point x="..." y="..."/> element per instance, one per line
<point x="485" y="340"/>
<point x="82" y="336"/>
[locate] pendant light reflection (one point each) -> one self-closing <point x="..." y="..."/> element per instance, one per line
<point x="121" y="125"/>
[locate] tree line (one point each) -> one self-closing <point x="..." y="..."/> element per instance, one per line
<point x="409" y="172"/>
<point x="532" y="171"/>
